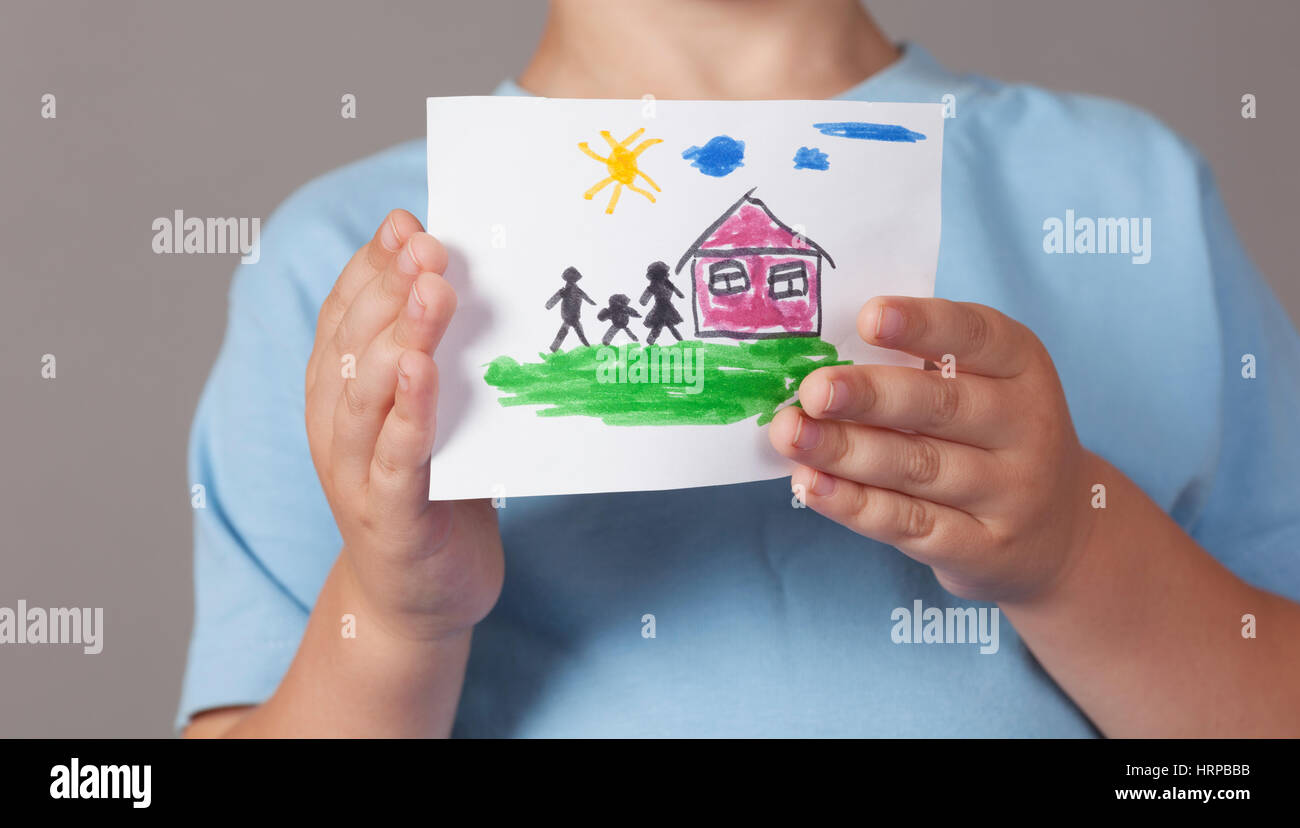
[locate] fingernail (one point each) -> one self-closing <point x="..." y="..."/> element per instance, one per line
<point x="835" y="397"/>
<point x="808" y="434"/>
<point x="823" y="484"/>
<point x="388" y="236"/>
<point x="415" y="304"/>
<point x="403" y="379"/>
<point x="406" y="261"/>
<point x="889" y="323"/>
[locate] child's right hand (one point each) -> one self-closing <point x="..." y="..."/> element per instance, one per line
<point x="418" y="570"/>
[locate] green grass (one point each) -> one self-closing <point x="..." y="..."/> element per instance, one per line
<point x="735" y="381"/>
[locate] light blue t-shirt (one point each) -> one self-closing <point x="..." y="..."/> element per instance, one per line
<point x="771" y="620"/>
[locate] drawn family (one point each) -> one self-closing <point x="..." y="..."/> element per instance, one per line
<point x="619" y="312"/>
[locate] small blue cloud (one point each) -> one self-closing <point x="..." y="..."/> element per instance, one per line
<point x="869" y="132"/>
<point x="811" y="158"/>
<point x="720" y="156"/>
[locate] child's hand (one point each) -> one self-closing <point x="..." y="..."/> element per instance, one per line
<point x="992" y="490"/>
<point x="419" y="570"/>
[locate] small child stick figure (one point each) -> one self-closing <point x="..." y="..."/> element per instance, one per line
<point x="617" y="314"/>
<point x="570" y="298"/>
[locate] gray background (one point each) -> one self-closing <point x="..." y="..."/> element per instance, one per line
<point x="223" y="108"/>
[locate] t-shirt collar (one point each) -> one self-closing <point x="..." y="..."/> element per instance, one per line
<point x="915" y="76"/>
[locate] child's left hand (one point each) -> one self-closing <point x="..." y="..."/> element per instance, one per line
<point x="992" y="490"/>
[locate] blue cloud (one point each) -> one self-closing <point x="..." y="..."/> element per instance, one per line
<point x="720" y="156"/>
<point x="869" y="132"/>
<point x="811" y="158"/>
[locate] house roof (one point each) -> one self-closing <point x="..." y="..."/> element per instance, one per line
<point x="749" y="225"/>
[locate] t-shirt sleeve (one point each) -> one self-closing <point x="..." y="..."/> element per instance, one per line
<point x="264" y="538"/>
<point x="1250" y="519"/>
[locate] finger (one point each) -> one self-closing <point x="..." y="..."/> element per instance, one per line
<point x="399" y="469"/>
<point x="368" y="262"/>
<point x="424" y="320"/>
<point x="374" y="258"/>
<point x="980" y="339"/>
<point x="365" y="400"/>
<point x="374" y="307"/>
<point x="925" y="531"/>
<point x="967" y="408"/>
<point x="949" y="473"/>
<point x="380" y="300"/>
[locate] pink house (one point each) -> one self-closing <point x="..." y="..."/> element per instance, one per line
<point x="752" y="277"/>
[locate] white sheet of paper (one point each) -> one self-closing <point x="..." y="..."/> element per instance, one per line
<point x="506" y="196"/>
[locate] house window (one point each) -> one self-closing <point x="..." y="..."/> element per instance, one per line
<point x="727" y="278"/>
<point x="787" y="280"/>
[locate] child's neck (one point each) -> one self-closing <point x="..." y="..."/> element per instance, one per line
<point x="711" y="49"/>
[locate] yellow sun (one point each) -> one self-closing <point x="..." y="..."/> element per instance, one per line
<point x="622" y="167"/>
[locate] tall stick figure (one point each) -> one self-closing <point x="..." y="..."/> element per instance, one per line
<point x="570" y="298"/>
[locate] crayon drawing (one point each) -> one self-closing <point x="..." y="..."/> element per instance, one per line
<point x="621" y="164"/>
<point x="643" y="336"/>
<point x="863" y="131"/>
<point x="617" y="314"/>
<point x="686" y="383"/>
<point x="721" y="156"/>
<point x="664" y="314"/>
<point x="570" y="298"/>
<point x="752" y="278"/>
<point x="811" y="158"/>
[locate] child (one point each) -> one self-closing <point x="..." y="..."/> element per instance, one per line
<point x="618" y="314"/>
<point x="1098" y="472"/>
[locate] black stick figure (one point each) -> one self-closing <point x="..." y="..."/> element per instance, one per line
<point x="570" y="298"/>
<point x="663" y="314"/>
<point x="617" y="314"/>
